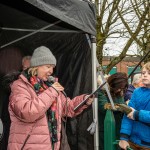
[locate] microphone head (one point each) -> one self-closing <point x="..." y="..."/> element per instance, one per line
<point x="51" y="79"/>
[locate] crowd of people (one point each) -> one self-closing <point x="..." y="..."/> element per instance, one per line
<point x="37" y="107"/>
<point x="133" y="129"/>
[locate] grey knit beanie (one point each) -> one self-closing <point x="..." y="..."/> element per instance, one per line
<point x="42" y="56"/>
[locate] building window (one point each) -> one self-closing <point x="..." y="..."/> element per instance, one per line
<point x="112" y="71"/>
<point x="130" y="69"/>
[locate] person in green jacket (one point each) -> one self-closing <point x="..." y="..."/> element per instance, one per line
<point x="118" y="84"/>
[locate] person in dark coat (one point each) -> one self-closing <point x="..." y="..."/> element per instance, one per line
<point x="136" y="82"/>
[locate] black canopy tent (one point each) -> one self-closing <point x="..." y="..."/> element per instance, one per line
<point x="64" y="26"/>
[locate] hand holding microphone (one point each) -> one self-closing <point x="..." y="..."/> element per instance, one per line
<point x="56" y="85"/>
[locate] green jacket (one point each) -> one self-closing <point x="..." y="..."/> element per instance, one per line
<point x="102" y="100"/>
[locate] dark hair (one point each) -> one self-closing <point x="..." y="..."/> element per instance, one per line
<point x="118" y="81"/>
<point x="10" y="78"/>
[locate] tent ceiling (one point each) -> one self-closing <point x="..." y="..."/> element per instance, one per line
<point x="26" y="18"/>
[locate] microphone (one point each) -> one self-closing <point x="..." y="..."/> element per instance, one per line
<point x="52" y="80"/>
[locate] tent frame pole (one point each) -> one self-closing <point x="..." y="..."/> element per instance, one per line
<point x="47" y="31"/>
<point x="23" y="37"/>
<point x="94" y="87"/>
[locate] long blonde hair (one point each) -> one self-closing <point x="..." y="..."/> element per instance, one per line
<point x="33" y="71"/>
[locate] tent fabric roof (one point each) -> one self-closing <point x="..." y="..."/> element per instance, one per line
<point x="64" y="16"/>
<point x="80" y="14"/>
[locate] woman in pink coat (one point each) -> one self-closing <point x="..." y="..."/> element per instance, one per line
<point x="37" y="107"/>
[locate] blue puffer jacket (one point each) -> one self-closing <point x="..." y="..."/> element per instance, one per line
<point x="138" y="130"/>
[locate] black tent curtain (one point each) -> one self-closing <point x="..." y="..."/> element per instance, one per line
<point x="72" y="51"/>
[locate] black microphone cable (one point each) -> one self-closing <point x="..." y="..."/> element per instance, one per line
<point x="52" y="80"/>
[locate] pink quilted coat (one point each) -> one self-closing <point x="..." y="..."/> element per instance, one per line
<point x="28" y="115"/>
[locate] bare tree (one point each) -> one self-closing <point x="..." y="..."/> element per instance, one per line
<point x="126" y="19"/>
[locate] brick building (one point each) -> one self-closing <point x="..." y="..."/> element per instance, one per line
<point x="126" y="65"/>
